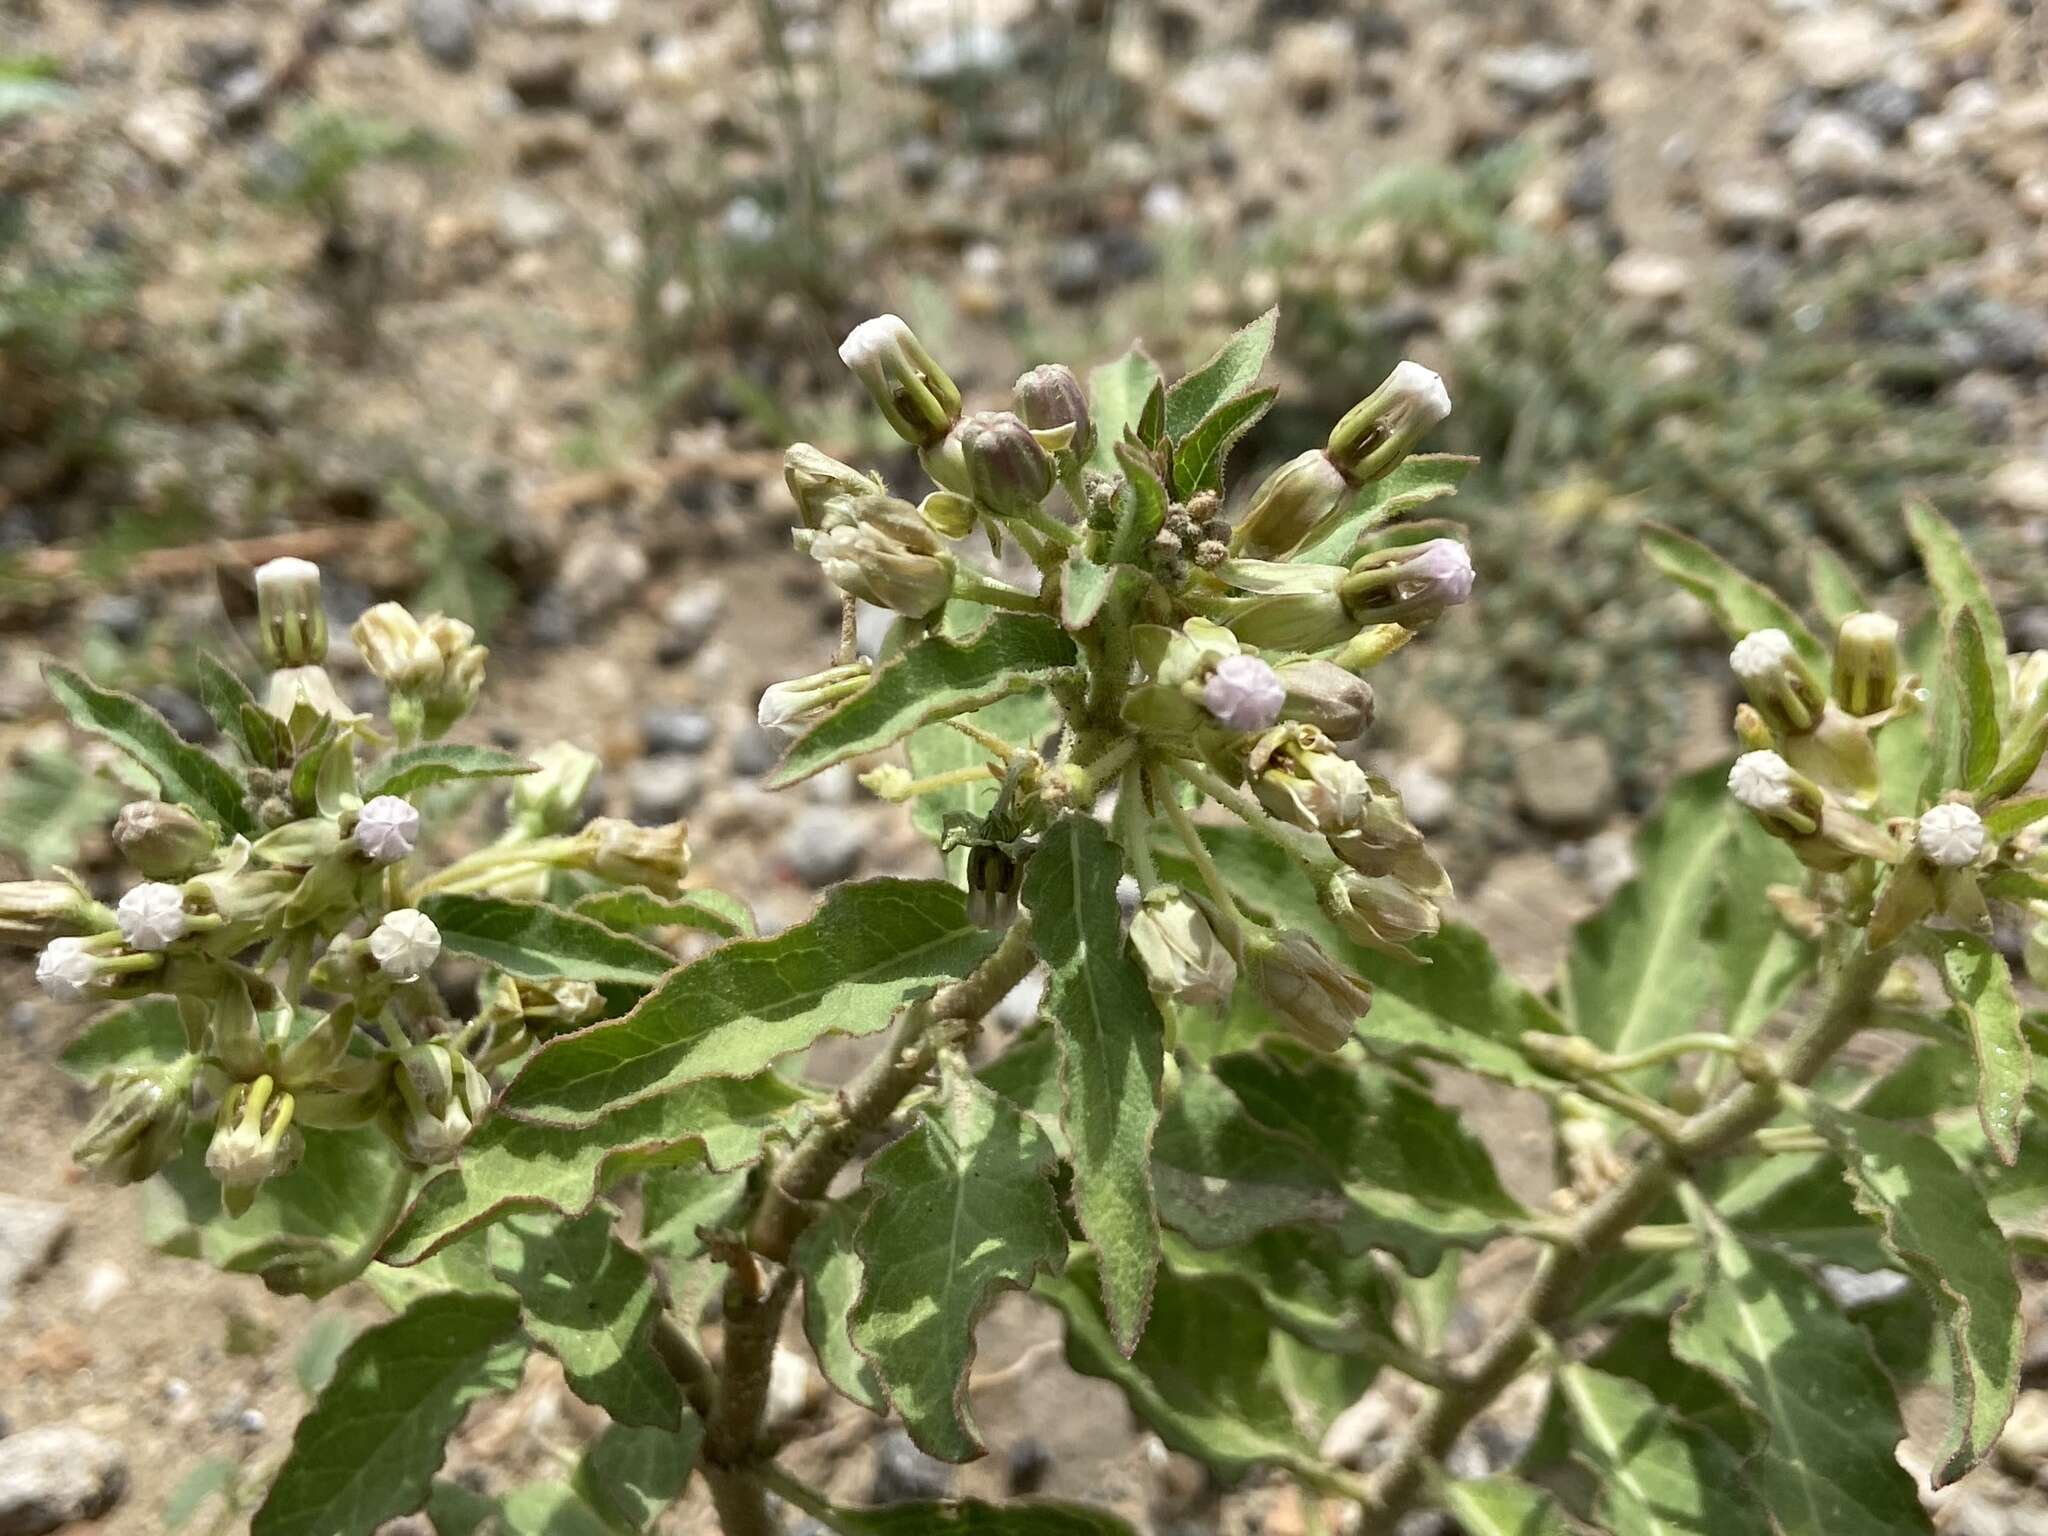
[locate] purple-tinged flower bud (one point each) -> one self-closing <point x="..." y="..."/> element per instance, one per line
<point x="1289" y="505"/>
<point x="1244" y="694"/>
<point x="152" y="916"/>
<point x="1410" y="584"/>
<point x="138" y="1127"/>
<point x="1179" y="952"/>
<point x="405" y="944"/>
<point x="1007" y="471"/>
<point x="387" y="830"/>
<point x="162" y="841"/>
<point x="1778" y="682"/>
<point x="1317" y="999"/>
<point x="1867" y="663"/>
<point x="1952" y="836"/>
<point x="1376" y="434"/>
<point x="288" y="613"/>
<point x="1050" y="397"/>
<point x="33" y="912"/>
<point x="66" y="970"/>
<point x="906" y="383"/>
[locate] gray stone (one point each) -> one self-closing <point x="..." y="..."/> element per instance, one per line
<point x="169" y="129"/>
<point x="1565" y="783"/>
<point x="120" y="614"/>
<point x="904" y="1473"/>
<point x="664" y="789"/>
<point x="688" y="618"/>
<point x="526" y="219"/>
<point x="600" y="572"/>
<point x="1887" y="106"/>
<point x="32" y="1233"/>
<point x="1852" y="1288"/>
<point x="756" y="750"/>
<point x="678" y="731"/>
<point x="1073" y="269"/>
<point x="53" y="1476"/>
<point x="1836" y="149"/>
<point x="446" y="30"/>
<point x="1538" y="75"/>
<point x="1741" y="209"/>
<point x="824" y="845"/>
<point x="2013" y="340"/>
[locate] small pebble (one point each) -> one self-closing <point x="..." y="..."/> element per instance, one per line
<point x="824" y="845"/>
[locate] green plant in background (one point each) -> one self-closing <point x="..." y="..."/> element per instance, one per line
<point x="1217" y="1157"/>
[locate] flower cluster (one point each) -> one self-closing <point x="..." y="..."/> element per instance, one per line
<point x="295" y="932"/>
<point x="1220" y="655"/>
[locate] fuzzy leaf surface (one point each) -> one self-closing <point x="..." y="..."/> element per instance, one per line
<point x="1977" y="702"/>
<point x="636" y="907"/>
<point x="1223" y="1177"/>
<point x="831" y="1268"/>
<point x="1959" y="588"/>
<point x="868" y="949"/>
<point x="1117" y="393"/>
<point x="184" y="774"/>
<point x="224" y="696"/>
<point x="1741" y="605"/>
<point x="1199" y="456"/>
<point x="143" y="1033"/>
<point x="1980" y="986"/>
<point x="974" y="1517"/>
<point x="532" y="938"/>
<point x="1419" y="479"/>
<point x="441" y="762"/>
<point x="1504" y="1506"/>
<point x="1230" y="371"/>
<point x="1657" y="1475"/>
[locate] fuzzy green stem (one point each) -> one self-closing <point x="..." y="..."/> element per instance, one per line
<point x="1307" y="850"/>
<point x="1234" y="921"/>
<point x="1134" y="828"/>
<point x="971" y="586"/>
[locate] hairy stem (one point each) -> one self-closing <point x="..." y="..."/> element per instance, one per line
<point x="1402" y="1481"/>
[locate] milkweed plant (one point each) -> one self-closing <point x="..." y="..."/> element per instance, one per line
<point x="485" y="1086"/>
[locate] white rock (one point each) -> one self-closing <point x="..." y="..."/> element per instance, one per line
<point x="56" y="1475"/>
<point x="1836" y="148"/>
<point x="1649" y="277"/>
<point x="169" y="129"/>
<point x="31" y="1234"/>
<point x="2022" y="486"/>
<point x="1834" y="50"/>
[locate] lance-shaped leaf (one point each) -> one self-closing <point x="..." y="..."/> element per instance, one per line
<point x="973" y="1517"/>
<point x="589" y="1300"/>
<point x="1658" y="1476"/>
<point x="868" y="949"/>
<point x="1980" y="986"/>
<point x="510" y="1165"/>
<point x="1504" y="1506"/>
<point x="1637" y="972"/>
<point x="1937" y="1228"/>
<point x="2002" y="821"/>
<point x="1142" y="508"/>
<point x="183" y="773"/>
<point x="1230" y="371"/>
<point x="1117" y="393"/>
<point x="1976" y="703"/>
<point x="961" y="1211"/>
<point x="1420" y="479"/>
<point x="531" y="938"/>
<point x="1833" y="586"/>
<point x="1741" y="605"/>
<point x="1112" y="1042"/>
<point x="1201" y="1376"/>
<point x="1416" y="1179"/>
<point x="367" y="1451"/>
<point x="1761" y="960"/>
<point x="1086" y="586"/>
<point x="1199" y="457"/>
<point x="932" y="679"/>
<point x="1771" y="1335"/>
<point x="831" y="1268"/>
<point x="636" y="907"/>
<point x="224" y="697"/>
<point x="441" y="762"/>
<point x="1959" y="588"/>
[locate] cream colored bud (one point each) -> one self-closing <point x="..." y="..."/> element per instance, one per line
<point x="152" y="916"/>
<point x="1952" y="836"/>
<point x="1179" y="952"/>
<point x="626" y="854"/>
<point x="1289" y="505"/>
<point x="790" y="706"/>
<point x="405" y="944"/>
<point x="1318" y="1000"/>
<point x="906" y="383"/>
<point x="1777" y="681"/>
<point x="814" y="478"/>
<point x="66" y="970"/>
<point x="292" y="622"/>
<point x="1380" y="431"/>
<point x="550" y="801"/>
<point x="162" y="841"/>
<point x="396" y="649"/>
<point x="1867" y="663"/>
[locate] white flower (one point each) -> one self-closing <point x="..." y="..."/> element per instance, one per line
<point x="1951" y="835"/>
<point x="1762" y="653"/>
<point x="406" y="944"/>
<point x="152" y="916"/>
<point x="65" y="970"/>
<point x="387" y="830"/>
<point x="1244" y="693"/>
<point x="1762" y="781"/>
<point x="287" y="573"/>
<point x="873" y="344"/>
<point x="1418" y="394"/>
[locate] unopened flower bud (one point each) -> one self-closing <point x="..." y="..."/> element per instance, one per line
<point x="948" y="514"/>
<point x="1952" y="836"/>
<point x="453" y="691"/>
<point x="994" y="879"/>
<point x="1411" y="584"/>
<point x="1050" y="397"/>
<point x="1289" y="504"/>
<point x="1777" y="681"/>
<point x="254" y="1138"/>
<point x="289" y="614"/>
<point x="138" y="1127"/>
<point x="550" y="801"/>
<point x="790" y="706"/>
<point x="66" y="970"/>
<point x="872" y="554"/>
<point x="162" y="841"/>
<point x="442" y="1096"/>
<point x="33" y="912"/>
<point x="387" y="830"/>
<point x="1317" y="999"/>
<point x="814" y="478"/>
<point x="406" y="944"/>
<point x="1244" y="694"/>
<point x="152" y="916"/>
<point x="395" y="648"/>
<point x="906" y="383"/>
<point x="1179" y="951"/>
<point x="1324" y="695"/>
<point x="626" y="854"/>
<point x="1787" y="802"/>
<point x="1378" y="911"/>
<point x="1007" y="471"/>
<point x="1867" y="663"/>
<point x="1379" y="432"/>
<point x="1307" y="785"/>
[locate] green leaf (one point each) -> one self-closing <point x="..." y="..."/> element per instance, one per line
<point x="1981" y="988"/>
<point x="1112" y="1042"/>
<point x="1142" y="508"/>
<point x="1201" y="1376"/>
<point x="675" y="1202"/>
<point x="636" y="907"/>
<point x="144" y="1033"/>
<point x="1959" y="587"/>
<point x="972" y="1517"/>
<point x="931" y="680"/>
<point x="1084" y="588"/>
<point x="1977" y="699"/>
<point x="1936" y="1227"/>
<point x="215" y="1475"/>
<point x="1223" y="1177"/>
<point x="320" y="1350"/>
<point x="1637" y="972"/>
<point x="831" y="1268"/>
<point x="183" y="773"/>
<point x="1116" y="398"/>
<point x="1760" y="959"/>
<point x="1639" y="1348"/>
<point x="224" y="697"/>
<point x="1419" y="479"/>
<point x="1025" y="719"/>
<point x="441" y="762"/>
<point x="1657" y="1475"/>
<point x="1338" y="1303"/>
<point x="1741" y="605"/>
<point x="868" y="949"/>
<point x="1230" y="371"/>
<point x="51" y="805"/>
<point x="1834" y="588"/>
<point x="530" y="938"/>
<point x="590" y="1301"/>
<point x="1199" y="456"/>
<point x="2002" y="821"/>
<point x="512" y="1165"/>
<point x="635" y="1474"/>
<point x="961" y="1210"/>
<point x="368" y="1450"/>
<point x="1503" y="1506"/>
<point x="1770" y="1334"/>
